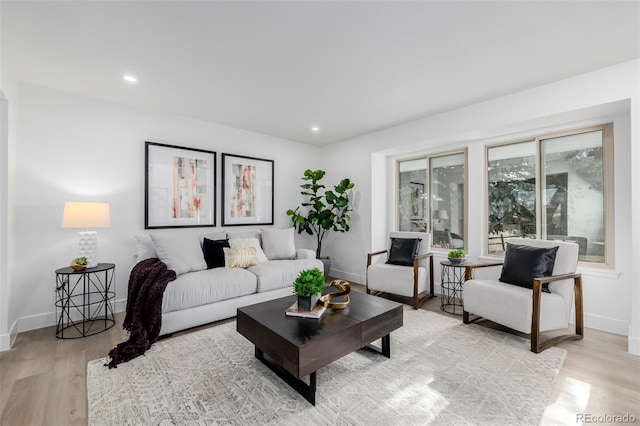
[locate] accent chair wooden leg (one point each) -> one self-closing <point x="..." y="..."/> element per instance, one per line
<point x="465" y="317"/>
<point x="535" y="317"/>
<point x="577" y="289"/>
<point x="415" y="284"/>
<point x="537" y="345"/>
<point x="431" y="275"/>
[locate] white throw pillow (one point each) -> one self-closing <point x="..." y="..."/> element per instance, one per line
<point x="240" y="257"/>
<point x="180" y="252"/>
<point x="246" y="243"/>
<point x="145" y="248"/>
<point x="278" y="243"/>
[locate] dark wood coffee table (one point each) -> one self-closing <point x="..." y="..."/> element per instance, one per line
<point x="294" y="347"/>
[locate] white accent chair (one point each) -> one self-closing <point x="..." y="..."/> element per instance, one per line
<point x="532" y="311"/>
<point x="408" y="281"/>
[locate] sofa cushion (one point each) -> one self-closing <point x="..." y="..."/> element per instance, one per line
<point x="276" y="274"/>
<point x="214" y="253"/>
<point x="239" y="243"/>
<point x="207" y="286"/>
<point x="522" y="264"/>
<point x="278" y="243"/>
<point x="483" y="297"/>
<point x="403" y="250"/>
<point x="240" y="257"/>
<point x="395" y="279"/>
<point x="180" y="252"/>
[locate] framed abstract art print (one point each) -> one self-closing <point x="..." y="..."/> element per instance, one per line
<point x="180" y="187"/>
<point x="247" y="190"/>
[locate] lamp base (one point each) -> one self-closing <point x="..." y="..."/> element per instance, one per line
<point x="88" y="244"/>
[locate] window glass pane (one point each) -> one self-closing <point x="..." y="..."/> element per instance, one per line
<point x="512" y="193"/>
<point x="446" y="182"/>
<point x="573" y="201"/>
<point x="411" y="195"/>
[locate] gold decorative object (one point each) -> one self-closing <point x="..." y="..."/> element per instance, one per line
<point x="344" y="288"/>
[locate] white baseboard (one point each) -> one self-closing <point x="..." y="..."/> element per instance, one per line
<point x="6" y="340"/>
<point x="609" y="325"/>
<point x="354" y="278"/>
<point x="48" y="319"/>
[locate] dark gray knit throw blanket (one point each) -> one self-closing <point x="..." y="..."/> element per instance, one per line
<point x="143" y="319"/>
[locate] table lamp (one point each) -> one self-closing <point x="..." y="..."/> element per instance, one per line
<point x="87" y="215"/>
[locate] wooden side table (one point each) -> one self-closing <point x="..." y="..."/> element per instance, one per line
<point x="452" y="278"/>
<point x="84" y="301"/>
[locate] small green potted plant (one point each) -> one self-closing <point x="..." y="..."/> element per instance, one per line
<point x="79" y="263"/>
<point x="457" y="256"/>
<point x="308" y="287"/>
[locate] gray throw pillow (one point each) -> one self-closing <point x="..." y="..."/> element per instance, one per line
<point x="278" y="243"/>
<point x="180" y="252"/>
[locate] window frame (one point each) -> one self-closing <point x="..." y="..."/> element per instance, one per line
<point x="608" y="187"/>
<point x="427" y="157"/>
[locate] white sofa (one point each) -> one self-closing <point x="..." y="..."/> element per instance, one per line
<point x="200" y="296"/>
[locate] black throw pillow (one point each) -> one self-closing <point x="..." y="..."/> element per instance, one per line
<point x="213" y="252"/>
<point x="403" y="250"/>
<point x="524" y="263"/>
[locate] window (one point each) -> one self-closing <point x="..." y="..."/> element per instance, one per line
<point x="553" y="187"/>
<point x="411" y="195"/>
<point x="432" y="197"/>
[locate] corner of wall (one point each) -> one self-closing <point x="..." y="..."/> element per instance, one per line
<point x="7" y="340"/>
<point x="634" y="345"/>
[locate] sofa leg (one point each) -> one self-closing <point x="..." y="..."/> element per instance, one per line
<point x="465" y="317"/>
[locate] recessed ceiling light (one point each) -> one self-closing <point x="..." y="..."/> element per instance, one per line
<point x="130" y="78"/>
<point x="315" y="129"/>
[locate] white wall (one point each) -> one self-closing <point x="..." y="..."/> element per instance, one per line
<point x="611" y="297"/>
<point x="74" y="148"/>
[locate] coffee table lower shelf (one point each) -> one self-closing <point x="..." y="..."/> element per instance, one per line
<point x="308" y="391"/>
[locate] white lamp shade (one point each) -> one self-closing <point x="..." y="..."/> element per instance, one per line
<point x="86" y="215"/>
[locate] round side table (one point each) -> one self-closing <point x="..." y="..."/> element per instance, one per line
<point x="84" y="301"/>
<point x="452" y="278"/>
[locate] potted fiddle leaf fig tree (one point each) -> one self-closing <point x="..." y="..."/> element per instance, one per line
<point x="322" y="210"/>
<point x="308" y="286"/>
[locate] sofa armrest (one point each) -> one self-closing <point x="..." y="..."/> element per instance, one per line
<point x="303" y="253"/>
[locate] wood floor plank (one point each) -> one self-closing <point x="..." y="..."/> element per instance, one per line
<point x="26" y="404"/>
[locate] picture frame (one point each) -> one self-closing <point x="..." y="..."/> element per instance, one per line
<point x="247" y="190"/>
<point x="179" y="187"/>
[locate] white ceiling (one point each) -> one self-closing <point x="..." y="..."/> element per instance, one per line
<point x="277" y="68"/>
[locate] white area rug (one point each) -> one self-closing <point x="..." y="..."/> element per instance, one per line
<point x="440" y="372"/>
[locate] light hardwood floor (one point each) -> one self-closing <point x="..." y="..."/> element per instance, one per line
<point x="42" y="379"/>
